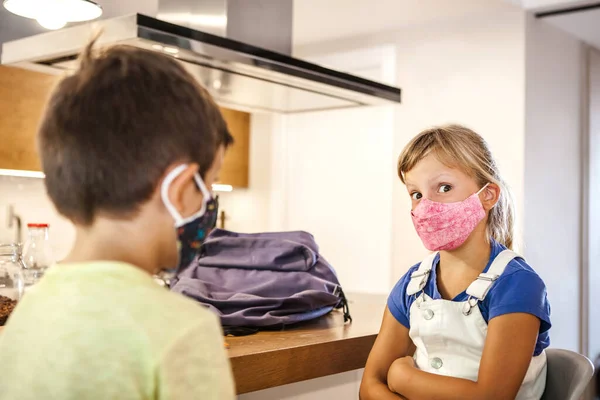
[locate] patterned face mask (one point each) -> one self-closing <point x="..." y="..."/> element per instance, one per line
<point x="191" y="231"/>
<point x="446" y="226"/>
<point x="191" y="235"/>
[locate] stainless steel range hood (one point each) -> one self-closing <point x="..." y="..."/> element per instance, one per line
<point x="238" y="75"/>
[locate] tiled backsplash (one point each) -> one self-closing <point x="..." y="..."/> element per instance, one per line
<point x="32" y="205"/>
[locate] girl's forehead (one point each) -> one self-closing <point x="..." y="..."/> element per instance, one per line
<point x="430" y="164"/>
<point x="431" y="167"/>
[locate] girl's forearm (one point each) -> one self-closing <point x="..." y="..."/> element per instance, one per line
<point x="378" y="391"/>
<point x="415" y="384"/>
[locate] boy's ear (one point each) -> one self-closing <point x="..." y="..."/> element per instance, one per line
<point x="490" y="196"/>
<point x="181" y="188"/>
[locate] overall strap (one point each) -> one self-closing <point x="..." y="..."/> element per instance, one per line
<point x="482" y="285"/>
<point x="418" y="279"/>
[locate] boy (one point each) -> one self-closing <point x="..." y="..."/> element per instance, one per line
<point x="125" y="144"/>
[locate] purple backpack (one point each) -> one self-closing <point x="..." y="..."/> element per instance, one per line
<point x="262" y="280"/>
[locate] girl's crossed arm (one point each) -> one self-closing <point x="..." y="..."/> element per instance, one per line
<point x="508" y="350"/>
<point x="391" y="344"/>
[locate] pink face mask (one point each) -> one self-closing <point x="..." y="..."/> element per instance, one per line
<point x="446" y="226"/>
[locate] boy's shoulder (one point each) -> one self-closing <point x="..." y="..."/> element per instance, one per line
<point x="131" y="297"/>
<point x="169" y="315"/>
<point x="182" y="310"/>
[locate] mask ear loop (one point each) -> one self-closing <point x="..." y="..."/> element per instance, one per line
<point x="203" y="189"/>
<point x="164" y="192"/>
<point x="482" y="189"/>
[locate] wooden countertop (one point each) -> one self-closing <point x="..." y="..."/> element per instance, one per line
<point x="322" y="347"/>
<point x="318" y="348"/>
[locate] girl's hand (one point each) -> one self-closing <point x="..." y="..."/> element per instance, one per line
<point x="399" y="373"/>
<point x="392" y="343"/>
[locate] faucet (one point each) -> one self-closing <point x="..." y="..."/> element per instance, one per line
<point x="14" y="219"/>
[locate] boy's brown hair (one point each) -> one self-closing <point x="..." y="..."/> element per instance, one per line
<point x="112" y="128"/>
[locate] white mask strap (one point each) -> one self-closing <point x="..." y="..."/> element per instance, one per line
<point x="481" y="190"/>
<point x="164" y="193"/>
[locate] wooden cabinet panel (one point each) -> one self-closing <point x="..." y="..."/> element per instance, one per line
<point x="236" y="163"/>
<point x="23" y="95"/>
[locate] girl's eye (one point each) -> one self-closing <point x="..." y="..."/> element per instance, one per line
<point x="416" y="195"/>
<point x="444" y="188"/>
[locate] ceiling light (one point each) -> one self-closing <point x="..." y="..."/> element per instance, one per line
<point x="22" y="173"/>
<point x="171" y="50"/>
<point x="209" y="21"/>
<point x="50" y="22"/>
<point x="52" y="13"/>
<point x="217" y="187"/>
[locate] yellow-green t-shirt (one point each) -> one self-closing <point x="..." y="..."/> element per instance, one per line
<point x="107" y="330"/>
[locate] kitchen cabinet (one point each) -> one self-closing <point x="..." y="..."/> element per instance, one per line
<point x="23" y="94"/>
<point x="22" y="98"/>
<point x="237" y="158"/>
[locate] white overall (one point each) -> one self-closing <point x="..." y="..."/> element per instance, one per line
<point x="450" y="335"/>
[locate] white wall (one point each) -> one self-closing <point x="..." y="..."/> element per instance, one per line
<point x="331" y="174"/>
<point x="470" y="74"/>
<point x="317" y="20"/>
<point x="258" y="208"/>
<point x="593" y="200"/>
<point x="339" y="166"/>
<point x="465" y="70"/>
<point x="554" y="68"/>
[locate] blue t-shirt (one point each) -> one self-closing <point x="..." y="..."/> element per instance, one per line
<point x="518" y="290"/>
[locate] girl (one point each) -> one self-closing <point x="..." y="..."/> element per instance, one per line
<point x="471" y="321"/>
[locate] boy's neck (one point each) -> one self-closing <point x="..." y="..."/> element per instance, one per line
<point x="111" y="240"/>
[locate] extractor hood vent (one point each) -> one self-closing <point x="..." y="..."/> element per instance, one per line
<point x="238" y="75"/>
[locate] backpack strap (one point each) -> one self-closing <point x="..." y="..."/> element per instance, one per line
<point x="419" y="278"/>
<point x="482" y="285"/>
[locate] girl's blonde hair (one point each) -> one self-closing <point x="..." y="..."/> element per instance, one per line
<point x="459" y="147"/>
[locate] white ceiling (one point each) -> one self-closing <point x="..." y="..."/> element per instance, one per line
<point x="549" y="4"/>
<point x="584" y="25"/>
<point x="323" y="20"/>
<point x="314" y="20"/>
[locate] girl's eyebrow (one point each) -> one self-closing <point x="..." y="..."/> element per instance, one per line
<point x="440" y="175"/>
<point x="410" y="185"/>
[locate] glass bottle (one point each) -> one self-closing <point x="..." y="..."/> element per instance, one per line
<point x="12" y="284"/>
<point x="38" y="255"/>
